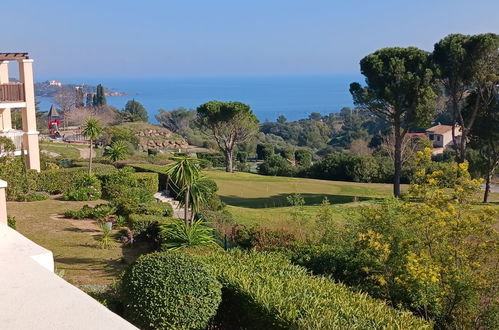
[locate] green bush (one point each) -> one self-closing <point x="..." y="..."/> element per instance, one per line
<point x="129" y="200"/>
<point x="303" y="157"/>
<point x="85" y="187"/>
<point x="265" y="291"/>
<point x="11" y="222"/>
<point x="147" y="226"/>
<point x="216" y="159"/>
<point x="276" y="165"/>
<point x="34" y="196"/>
<point x="159" y="169"/>
<point x="113" y="183"/>
<point x="148" y="181"/>
<point x="156" y="208"/>
<point x="177" y="235"/>
<point x="99" y="212"/>
<point x="170" y="291"/>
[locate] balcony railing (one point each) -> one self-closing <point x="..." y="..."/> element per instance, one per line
<point x="16" y="137"/>
<point x="12" y="92"/>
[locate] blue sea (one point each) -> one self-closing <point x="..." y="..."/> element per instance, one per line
<point x="269" y="96"/>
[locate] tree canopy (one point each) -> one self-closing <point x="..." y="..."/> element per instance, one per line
<point x="229" y="123"/>
<point x="401" y="90"/>
<point x="135" y="111"/>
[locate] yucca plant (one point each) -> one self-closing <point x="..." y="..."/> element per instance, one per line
<point x="92" y="130"/>
<point x="178" y="235"/>
<point x="106" y="241"/>
<point x="183" y="172"/>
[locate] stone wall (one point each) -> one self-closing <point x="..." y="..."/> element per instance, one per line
<point x="161" y="139"/>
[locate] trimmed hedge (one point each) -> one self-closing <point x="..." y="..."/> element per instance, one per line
<point x="58" y="181"/>
<point x="215" y="159"/>
<point x="147" y="226"/>
<point x="159" y="169"/>
<point x="148" y="181"/>
<point x="156" y="208"/>
<point x="170" y="291"/>
<point x="264" y="290"/>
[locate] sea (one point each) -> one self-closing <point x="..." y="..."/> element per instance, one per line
<point x="295" y="96"/>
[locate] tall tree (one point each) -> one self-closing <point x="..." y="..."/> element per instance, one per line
<point x="230" y="123"/>
<point x="65" y="98"/>
<point x="467" y="65"/>
<point x="100" y="96"/>
<point x="401" y="90"/>
<point x="79" y="97"/>
<point x="92" y="130"/>
<point x="484" y="137"/>
<point x="89" y="102"/>
<point x="134" y="111"/>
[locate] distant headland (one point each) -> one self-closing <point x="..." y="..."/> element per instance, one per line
<point x="50" y="87"/>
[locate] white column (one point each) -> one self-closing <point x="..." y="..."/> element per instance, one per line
<point x="3" y="202"/>
<point x="30" y="140"/>
<point x="5" y="120"/>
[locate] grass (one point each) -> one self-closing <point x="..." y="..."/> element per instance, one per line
<point x="261" y="200"/>
<point x="74" y="243"/>
<point x="65" y="150"/>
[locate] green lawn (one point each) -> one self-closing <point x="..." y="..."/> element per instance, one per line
<point x="261" y="200"/>
<point x="73" y="242"/>
<point x="65" y="150"/>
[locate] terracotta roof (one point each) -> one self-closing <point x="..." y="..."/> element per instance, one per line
<point x="416" y="134"/>
<point x="440" y="129"/>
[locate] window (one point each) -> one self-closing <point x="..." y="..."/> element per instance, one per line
<point x="438" y="138"/>
<point x="432" y="137"/>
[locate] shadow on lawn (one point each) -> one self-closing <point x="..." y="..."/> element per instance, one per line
<point x="281" y="201"/>
<point x="79" y="230"/>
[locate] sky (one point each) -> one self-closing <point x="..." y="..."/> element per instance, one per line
<point x="107" y="38"/>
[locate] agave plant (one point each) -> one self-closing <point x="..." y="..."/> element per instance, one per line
<point x="178" y="235"/>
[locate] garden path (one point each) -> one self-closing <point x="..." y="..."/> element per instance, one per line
<point x="164" y="197"/>
<point x="85" y="153"/>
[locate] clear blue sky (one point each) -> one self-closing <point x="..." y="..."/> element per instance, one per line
<point x="104" y="38"/>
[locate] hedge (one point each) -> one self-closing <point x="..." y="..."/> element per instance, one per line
<point x="170" y="291"/>
<point x="147" y="226"/>
<point x="159" y="169"/>
<point x="148" y="181"/>
<point x="216" y="159"/>
<point x="264" y="290"/>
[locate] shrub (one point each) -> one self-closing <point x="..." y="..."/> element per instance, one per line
<point x="34" y="196"/>
<point x="266" y="291"/>
<point x="148" y="181"/>
<point x="129" y="200"/>
<point x="264" y="151"/>
<point x="177" y="235"/>
<point x="11" y="222"/>
<point x="156" y="208"/>
<point x="147" y="226"/>
<point x="276" y="165"/>
<point x="159" y="169"/>
<point x="303" y="157"/>
<point x="116" y="181"/>
<point x="85" y="187"/>
<point x="170" y="291"/>
<point x="216" y="159"/>
<point x="260" y="238"/>
<point x="99" y="212"/>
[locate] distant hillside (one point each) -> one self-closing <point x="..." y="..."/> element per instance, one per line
<point x="50" y="88"/>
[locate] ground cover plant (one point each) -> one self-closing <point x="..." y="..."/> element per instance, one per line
<point x="265" y="291"/>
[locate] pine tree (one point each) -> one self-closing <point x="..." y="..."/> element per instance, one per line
<point x="100" y="96"/>
<point x="79" y="97"/>
<point x="90" y="100"/>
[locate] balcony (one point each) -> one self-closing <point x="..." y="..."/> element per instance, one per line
<point x="12" y="93"/>
<point x="17" y="138"/>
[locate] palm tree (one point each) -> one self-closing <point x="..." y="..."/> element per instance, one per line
<point x="199" y="189"/>
<point x="184" y="172"/>
<point x="117" y="151"/>
<point x="91" y="130"/>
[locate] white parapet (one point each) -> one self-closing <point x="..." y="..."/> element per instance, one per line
<point x="33" y="297"/>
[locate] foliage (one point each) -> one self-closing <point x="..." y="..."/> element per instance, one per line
<point x="170" y="291"/>
<point x="229" y="123"/>
<point x="135" y="111"/>
<point x="92" y="130"/>
<point x="264" y="151"/>
<point x="118" y="150"/>
<point x="11" y="222"/>
<point x="6" y="145"/>
<point x="276" y="165"/>
<point x="178" y="235"/>
<point x="85" y="187"/>
<point x="468" y="70"/>
<point x="148" y="181"/>
<point x="215" y="159"/>
<point x="147" y="227"/>
<point x="265" y="291"/>
<point x="260" y="238"/>
<point x="433" y="254"/>
<point x="401" y="89"/>
<point x="98" y="212"/>
<point x="34" y="196"/>
<point x="106" y="241"/>
<point x="303" y="157"/>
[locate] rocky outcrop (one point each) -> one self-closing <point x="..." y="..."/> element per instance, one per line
<point x="161" y="139"/>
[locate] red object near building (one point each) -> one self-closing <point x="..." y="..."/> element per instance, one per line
<point x="54" y="121"/>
